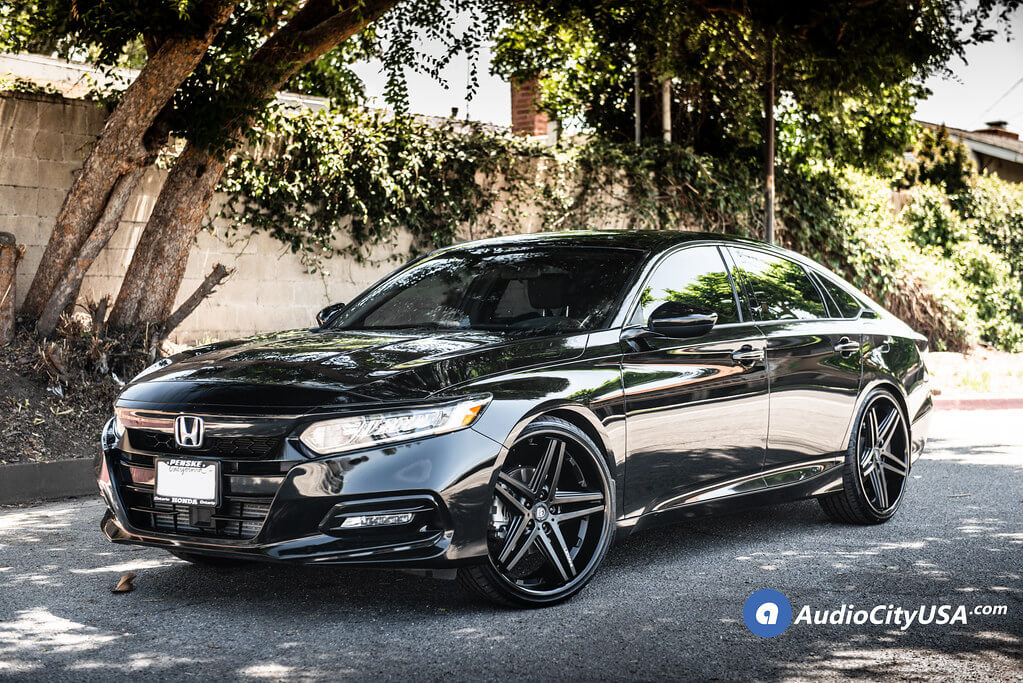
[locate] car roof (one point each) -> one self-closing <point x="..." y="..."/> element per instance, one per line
<point x="645" y="240"/>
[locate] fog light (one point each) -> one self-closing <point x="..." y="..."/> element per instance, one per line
<point x="363" y="521"/>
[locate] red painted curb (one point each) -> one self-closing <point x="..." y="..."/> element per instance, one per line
<point x="978" y="403"/>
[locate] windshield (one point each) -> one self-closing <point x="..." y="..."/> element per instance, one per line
<point x="527" y="289"/>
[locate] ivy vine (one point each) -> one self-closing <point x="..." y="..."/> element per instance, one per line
<point x="345" y="182"/>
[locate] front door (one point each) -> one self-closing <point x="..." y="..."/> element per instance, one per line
<point x="696" y="409"/>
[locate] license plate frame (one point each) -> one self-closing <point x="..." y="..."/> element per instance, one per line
<point x="187" y="481"/>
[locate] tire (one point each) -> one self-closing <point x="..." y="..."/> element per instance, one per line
<point x="877" y="464"/>
<point x="552" y="518"/>
<point x="211" y="561"/>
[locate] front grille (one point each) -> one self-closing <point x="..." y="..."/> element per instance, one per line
<point x="247" y="490"/>
<point x="219" y="446"/>
<point x="243" y="519"/>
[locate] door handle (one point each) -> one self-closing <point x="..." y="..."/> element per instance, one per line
<point x="847" y="347"/>
<point x="747" y="355"/>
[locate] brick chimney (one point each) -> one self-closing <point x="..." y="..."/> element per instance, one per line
<point x="526" y="120"/>
<point x="998" y="128"/>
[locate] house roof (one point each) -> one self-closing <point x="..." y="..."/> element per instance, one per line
<point x="984" y="142"/>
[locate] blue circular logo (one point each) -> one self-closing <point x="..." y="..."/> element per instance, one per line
<point x="767" y="613"/>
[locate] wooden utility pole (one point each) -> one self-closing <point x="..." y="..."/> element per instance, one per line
<point x="10" y="254"/>
<point x="666" y="109"/>
<point x="638" y="112"/>
<point x="769" y="138"/>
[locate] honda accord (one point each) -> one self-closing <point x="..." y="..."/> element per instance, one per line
<point x="500" y="411"/>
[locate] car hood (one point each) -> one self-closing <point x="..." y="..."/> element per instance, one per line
<point x="303" y="369"/>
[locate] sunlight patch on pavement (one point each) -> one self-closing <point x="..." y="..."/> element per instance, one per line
<point x="39" y="630"/>
<point x="36" y="520"/>
<point x="267" y="670"/>
<point x="125" y="567"/>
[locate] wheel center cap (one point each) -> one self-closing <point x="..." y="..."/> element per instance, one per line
<point x="540" y="512"/>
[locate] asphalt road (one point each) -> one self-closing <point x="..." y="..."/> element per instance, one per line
<point x="666" y="603"/>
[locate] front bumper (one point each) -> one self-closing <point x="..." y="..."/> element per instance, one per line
<point x="446" y="479"/>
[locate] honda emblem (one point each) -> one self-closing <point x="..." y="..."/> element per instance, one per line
<point x="188" y="431"/>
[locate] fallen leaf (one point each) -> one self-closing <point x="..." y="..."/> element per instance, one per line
<point x="125" y="585"/>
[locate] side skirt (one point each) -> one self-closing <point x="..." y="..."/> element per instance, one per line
<point x="778" y="485"/>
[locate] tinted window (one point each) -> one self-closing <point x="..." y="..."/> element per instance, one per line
<point x="779" y="288"/>
<point x="694" y="278"/>
<point x="516" y="288"/>
<point x="847" y="306"/>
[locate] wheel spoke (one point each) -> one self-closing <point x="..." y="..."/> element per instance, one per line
<point x="880" y="487"/>
<point x="575" y="514"/>
<point x="894" y="468"/>
<point x="872" y="426"/>
<point x="894" y="463"/>
<point x="522" y="550"/>
<point x="562" y="547"/>
<point x="868" y="469"/>
<point x="547" y="548"/>
<point x="515" y="485"/>
<point x="569" y="497"/>
<point x="552" y="484"/>
<point x="887" y="429"/>
<point x="551" y="461"/>
<point x="510" y="498"/>
<point x="866" y="458"/>
<point x="513" y="538"/>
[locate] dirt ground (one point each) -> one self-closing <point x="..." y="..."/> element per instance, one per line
<point x="39" y="425"/>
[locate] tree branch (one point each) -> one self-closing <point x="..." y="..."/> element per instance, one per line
<point x="219" y="273"/>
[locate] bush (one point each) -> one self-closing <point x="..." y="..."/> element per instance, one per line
<point x="940" y="161"/>
<point x="994" y="210"/>
<point x="994" y="293"/>
<point x="917" y="285"/>
<point x="932" y="220"/>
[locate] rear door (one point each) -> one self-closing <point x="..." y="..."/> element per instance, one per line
<point x="696" y="408"/>
<point x="813" y="358"/>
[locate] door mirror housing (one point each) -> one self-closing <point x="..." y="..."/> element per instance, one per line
<point x="328" y="312"/>
<point x="673" y="319"/>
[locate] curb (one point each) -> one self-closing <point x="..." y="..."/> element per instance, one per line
<point x="978" y="403"/>
<point x="24" y="482"/>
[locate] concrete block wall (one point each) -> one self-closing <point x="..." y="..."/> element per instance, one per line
<point x="43" y="140"/>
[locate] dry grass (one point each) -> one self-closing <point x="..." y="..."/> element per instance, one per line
<point x="981" y="371"/>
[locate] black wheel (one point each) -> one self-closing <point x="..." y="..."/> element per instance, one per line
<point x="201" y="560"/>
<point x="552" y="518"/>
<point x="876" y="466"/>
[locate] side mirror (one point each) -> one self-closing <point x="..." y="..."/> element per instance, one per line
<point x="673" y="319"/>
<point x="327" y="313"/>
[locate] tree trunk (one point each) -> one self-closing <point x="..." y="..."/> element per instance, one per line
<point x="118" y="149"/>
<point x="66" y="291"/>
<point x="769" y="138"/>
<point x="154" y="277"/>
<point x="10" y="254"/>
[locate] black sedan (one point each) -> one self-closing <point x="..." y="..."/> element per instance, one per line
<point x="501" y="410"/>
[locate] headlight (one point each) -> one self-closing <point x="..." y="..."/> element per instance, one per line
<point x="360" y="431"/>
<point x="118" y="427"/>
<point x="162" y="363"/>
